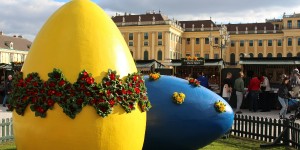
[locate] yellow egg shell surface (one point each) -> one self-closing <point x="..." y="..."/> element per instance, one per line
<point x="79" y="36"/>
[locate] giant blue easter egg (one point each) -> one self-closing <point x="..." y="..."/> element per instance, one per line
<point x="188" y="126"/>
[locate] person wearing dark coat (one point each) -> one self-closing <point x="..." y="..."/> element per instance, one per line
<point x="8" y="89"/>
<point x="283" y="96"/>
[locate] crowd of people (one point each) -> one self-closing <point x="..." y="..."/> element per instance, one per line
<point x="258" y="90"/>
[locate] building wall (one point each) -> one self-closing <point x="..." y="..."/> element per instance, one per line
<point x="169" y="43"/>
<point x="178" y="43"/>
<point x="7" y="56"/>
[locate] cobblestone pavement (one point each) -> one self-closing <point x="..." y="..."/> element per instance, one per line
<point x="4" y="114"/>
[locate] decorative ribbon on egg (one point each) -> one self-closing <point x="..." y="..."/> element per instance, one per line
<point x="41" y="95"/>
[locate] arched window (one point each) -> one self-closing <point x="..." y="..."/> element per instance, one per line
<point x="146" y="55"/>
<point x="251" y="55"/>
<point x="269" y="55"/>
<point x="260" y="55"/>
<point x="232" y="58"/>
<point x="159" y="55"/>
<point x="242" y="55"/>
<point x="279" y="55"/>
<point x="298" y="54"/>
<point x="289" y="55"/>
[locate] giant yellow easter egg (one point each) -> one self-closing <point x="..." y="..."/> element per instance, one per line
<point x="79" y="36"/>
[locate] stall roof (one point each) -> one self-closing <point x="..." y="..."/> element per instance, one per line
<point x="5" y="66"/>
<point x="270" y="61"/>
<point x="147" y="63"/>
<point x="208" y="62"/>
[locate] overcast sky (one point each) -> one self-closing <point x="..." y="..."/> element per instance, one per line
<point x="25" y="17"/>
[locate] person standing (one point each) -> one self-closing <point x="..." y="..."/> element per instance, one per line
<point x="203" y="80"/>
<point x="283" y="96"/>
<point x="254" y="89"/>
<point x="240" y="90"/>
<point x="295" y="83"/>
<point x="8" y="89"/>
<point x="227" y="87"/>
<point x="265" y="95"/>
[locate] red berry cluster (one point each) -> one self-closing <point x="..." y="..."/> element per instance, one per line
<point x="42" y="96"/>
<point x="194" y="82"/>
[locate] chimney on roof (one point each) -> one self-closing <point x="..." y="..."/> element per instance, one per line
<point x="246" y="30"/>
<point x="153" y="11"/>
<point x="255" y="29"/>
<point x="159" y="11"/>
<point x="265" y="29"/>
<point x="193" y="26"/>
<point x="237" y="30"/>
<point x="123" y="19"/>
<point x="125" y="13"/>
<point x="20" y="36"/>
<point x="202" y="27"/>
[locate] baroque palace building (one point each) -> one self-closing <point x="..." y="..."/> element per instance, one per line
<point x="155" y="36"/>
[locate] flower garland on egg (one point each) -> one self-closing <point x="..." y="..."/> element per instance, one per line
<point x="41" y="96"/>
<point x="154" y="76"/>
<point x="220" y="106"/>
<point x="178" y="98"/>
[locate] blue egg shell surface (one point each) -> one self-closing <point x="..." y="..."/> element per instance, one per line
<point x="191" y="125"/>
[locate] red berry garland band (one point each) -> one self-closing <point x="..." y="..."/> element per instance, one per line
<point x="41" y="95"/>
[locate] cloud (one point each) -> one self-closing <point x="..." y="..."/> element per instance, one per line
<point x="25" y="17"/>
<point x="219" y="10"/>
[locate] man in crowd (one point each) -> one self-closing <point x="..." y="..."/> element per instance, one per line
<point x="203" y="80"/>
<point x="8" y="89"/>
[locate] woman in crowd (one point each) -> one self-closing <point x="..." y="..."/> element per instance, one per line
<point x="265" y="95"/>
<point x="283" y="96"/>
<point x="227" y="87"/>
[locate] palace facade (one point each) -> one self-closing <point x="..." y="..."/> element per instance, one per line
<point x="155" y="36"/>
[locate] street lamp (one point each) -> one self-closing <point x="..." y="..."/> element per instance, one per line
<point x="224" y="37"/>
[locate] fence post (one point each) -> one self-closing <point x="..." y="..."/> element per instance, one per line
<point x="286" y="136"/>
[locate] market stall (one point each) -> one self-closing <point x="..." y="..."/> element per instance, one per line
<point x="211" y="68"/>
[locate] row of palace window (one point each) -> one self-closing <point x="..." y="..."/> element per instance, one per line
<point x="290" y="25"/>
<point x="232" y="55"/>
<point x="146" y="43"/>
<point x="159" y="55"/>
<point x="270" y="42"/>
<point x="197" y="40"/>
<point x="146" y="55"/>
<point x="146" y="36"/>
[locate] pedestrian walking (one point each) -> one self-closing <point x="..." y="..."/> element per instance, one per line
<point x="283" y="96"/>
<point x="8" y="89"/>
